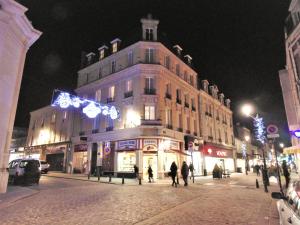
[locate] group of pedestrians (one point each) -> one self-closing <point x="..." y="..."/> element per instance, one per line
<point x="185" y="171"/>
<point x="284" y="169"/>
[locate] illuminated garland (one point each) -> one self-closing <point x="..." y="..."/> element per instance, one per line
<point x="90" y="108"/>
<point x="259" y="126"/>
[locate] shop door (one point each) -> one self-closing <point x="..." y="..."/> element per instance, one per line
<point x="152" y="161"/>
<point x="94" y="159"/>
<point x="56" y="161"/>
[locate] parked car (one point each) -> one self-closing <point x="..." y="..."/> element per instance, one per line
<point x="24" y="171"/>
<point x="289" y="206"/>
<point x="44" y="166"/>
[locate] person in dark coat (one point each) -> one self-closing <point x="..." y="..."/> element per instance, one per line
<point x="136" y="171"/>
<point x="150" y="174"/>
<point x="286" y="173"/>
<point x="185" y="173"/>
<point x="257" y="168"/>
<point x="191" y="168"/>
<point x="173" y="173"/>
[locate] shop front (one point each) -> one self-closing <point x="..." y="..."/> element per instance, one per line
<point x="150" y="157"/>
<point x="80" y="158"/>
<point x="217" y="155"/>
<point x="126" y="156"/>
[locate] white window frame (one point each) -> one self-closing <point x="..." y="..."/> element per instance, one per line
<point x="128" y="85"/>
<point x="111" y="92"/>
<point x="149" y="112"/>
<point x="98" y="95"/>
<point x="114" y="47"/>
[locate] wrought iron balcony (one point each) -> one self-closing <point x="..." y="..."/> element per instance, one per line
<point x="150" y="91"/>
<point x="169" y="126"/>
<point x="151" y="122"/>
<point x="179" y="129"/>
<point x="128" y="94"/>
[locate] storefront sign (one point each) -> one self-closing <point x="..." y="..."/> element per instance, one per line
<point x="80" y="148"/>
<point x="150" y="142"/>
<point x="214" y="151"/>
<point x="127" y="144"/>
<point x="174" y="145"/>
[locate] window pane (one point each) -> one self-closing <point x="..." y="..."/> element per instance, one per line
<point x="152" y="113"/>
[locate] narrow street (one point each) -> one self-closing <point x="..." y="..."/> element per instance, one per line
<point x="64" y="201"/>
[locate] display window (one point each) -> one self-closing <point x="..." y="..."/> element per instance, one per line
<point x="126" y="161"/>
<point x="80" y="162"/>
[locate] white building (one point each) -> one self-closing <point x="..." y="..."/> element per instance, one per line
<point x="290" y="77"/>
<point x="155" y="88"/>
<point x="16" y="36"/>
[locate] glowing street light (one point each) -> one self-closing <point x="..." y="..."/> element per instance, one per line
<point x="281" y="145"/>
<point x="247" y="138"/>
<point x="247" y="110"/>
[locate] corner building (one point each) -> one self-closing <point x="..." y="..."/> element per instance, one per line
<point x="156" y="90"/>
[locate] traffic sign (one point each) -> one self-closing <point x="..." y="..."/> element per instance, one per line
<point x="272" y="129"/>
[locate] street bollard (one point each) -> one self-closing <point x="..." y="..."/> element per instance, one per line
<point x="98" y="173"/>
<point x="177" y="180"/>
<point x="140" y="181"/>
<point x="257" y="184"/>
<point x="123" y="180"/>
<point x="109" y="178"/>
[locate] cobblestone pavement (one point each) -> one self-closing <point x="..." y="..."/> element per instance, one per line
<point x="228" y="201"/>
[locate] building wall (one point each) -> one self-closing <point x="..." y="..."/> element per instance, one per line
<point x="17" y="35"/>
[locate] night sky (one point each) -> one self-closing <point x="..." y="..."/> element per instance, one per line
<point x="235" y="44"/>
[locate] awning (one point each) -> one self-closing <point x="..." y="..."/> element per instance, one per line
<point x="292" y="150"/>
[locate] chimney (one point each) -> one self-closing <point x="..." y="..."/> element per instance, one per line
<point x="115" y="45"/>
<point x="102" y="51"/>
<point x="216" y="90"/>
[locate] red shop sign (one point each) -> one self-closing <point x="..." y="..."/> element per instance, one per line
<point x="214" y="151"/>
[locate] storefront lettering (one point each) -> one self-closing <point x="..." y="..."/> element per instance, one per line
<point x="128" y="144"/>
<point x="221" y="153"/>
<point x="150" y="142"/>
<point x="80" y="148"/>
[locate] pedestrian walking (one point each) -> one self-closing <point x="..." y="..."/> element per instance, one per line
<point x="173" y="173"/>
<point x="286" y="173"/>
<point x="191" y="168"/>
<point x="136" y="171"/>
<point x="257" y="168"/>
<point x="150" y="174"/>
<point x="221" y="172"/>
<point x="185" y="173"/>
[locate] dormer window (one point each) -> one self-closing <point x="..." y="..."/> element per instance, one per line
<point x="149" y="26"/>
<point x="178" y="49"/>
<point x="188" y="59"/>
<point x="90" y="58"/>
<point x="205" y="85"/>
<point x="115" y="45"/>
<point x="102" y="50"/>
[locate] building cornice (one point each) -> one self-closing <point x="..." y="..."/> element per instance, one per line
<point x="13" y="13"/>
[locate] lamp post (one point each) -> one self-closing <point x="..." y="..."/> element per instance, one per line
<point x="258" y="123"/>
<point x="247" y="138"/>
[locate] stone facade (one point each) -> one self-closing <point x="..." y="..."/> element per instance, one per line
<point x="16" y="36"/>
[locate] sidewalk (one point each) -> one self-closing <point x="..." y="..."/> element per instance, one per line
<point x="14" y="194"/>
<point x="118" y="181"/>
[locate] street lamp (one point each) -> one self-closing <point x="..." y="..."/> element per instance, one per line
<point x="281" y="145"/>
<point x="258" y="123"/>
<point x="247" y="138"/>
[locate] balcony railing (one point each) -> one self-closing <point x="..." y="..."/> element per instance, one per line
<point x="108" y="100"/>
<point x="151" y="122"/>
<point x="128" y="94"/>
<point x="178" y="100"/>
<point x="109" y="128"/>
<point x="169" y="96"/>
<point x="169" y="126"/>
<point x="179" y="129"/>
<point x="150" y="91"/>
<point x="81" y="133"/>
<point x="95" y="131"/>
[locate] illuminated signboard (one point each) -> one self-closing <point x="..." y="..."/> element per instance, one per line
<point x="90" y="108"/>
